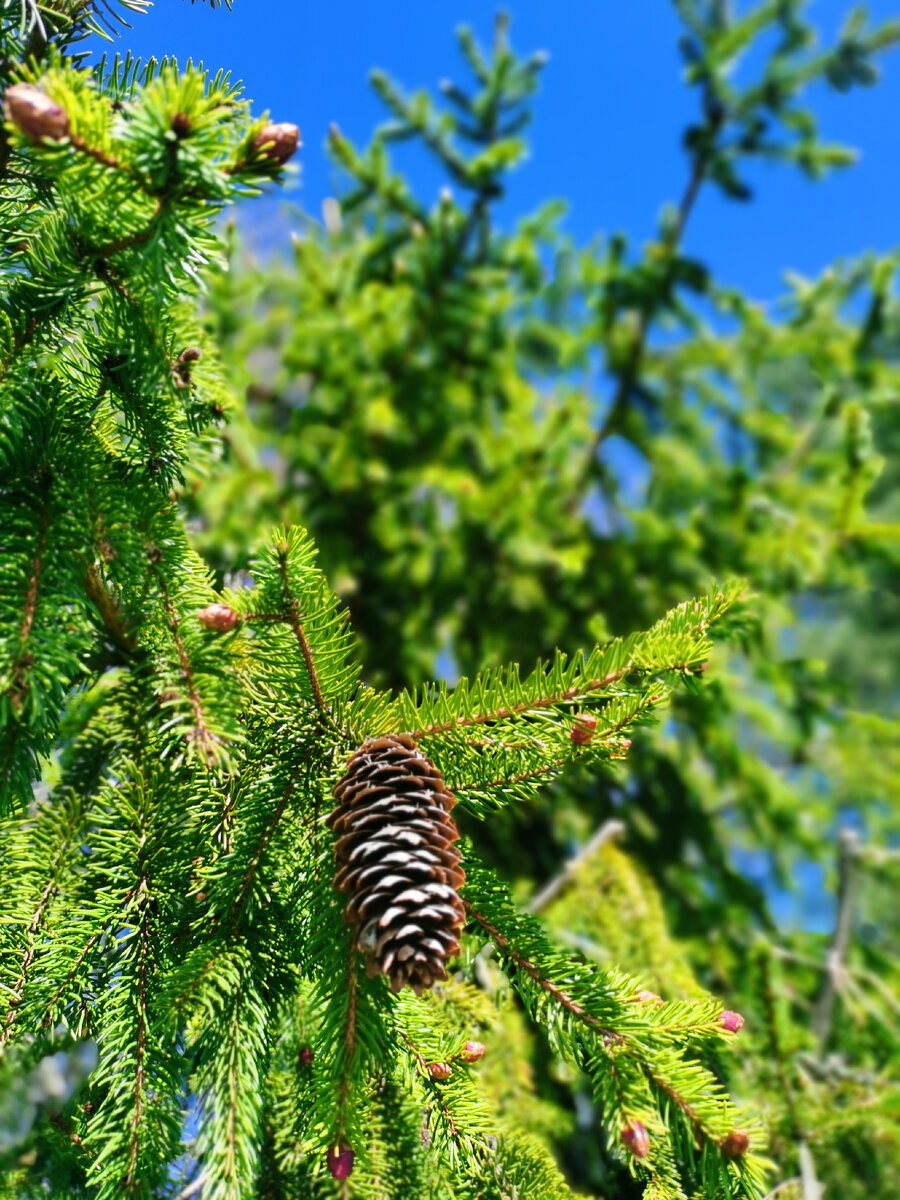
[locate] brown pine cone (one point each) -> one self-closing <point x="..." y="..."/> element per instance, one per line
<point x="397" y="862"/>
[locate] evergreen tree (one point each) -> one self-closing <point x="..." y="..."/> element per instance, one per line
<point x="415" y="364"/>
<point x="168" y="753"/>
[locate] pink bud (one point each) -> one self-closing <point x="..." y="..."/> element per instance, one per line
<point x="277" y="142"/>
<point x="340" y="1161"/>
<point x="306" y="1056"/>
<point x="439" y="1070"/>
<point x="582" y="731"/>
<point x="34" y="113"/>
<point x="732" y="1021"/>
<point x="645" y="997"/>
<point x="218" y="617"/>
<point x="637" y="1139"/>
<point x="472" y="1051"/>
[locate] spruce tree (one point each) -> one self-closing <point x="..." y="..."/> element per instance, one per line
<point x="170" y="750"/>
<point x="416" y="360"/>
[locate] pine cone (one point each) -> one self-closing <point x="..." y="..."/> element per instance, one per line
<point x="397" y="862"/>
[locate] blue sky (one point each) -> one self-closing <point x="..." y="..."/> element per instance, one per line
<point x="608" y="120"/>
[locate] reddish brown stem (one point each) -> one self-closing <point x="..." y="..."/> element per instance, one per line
<point x="297" y="627"/>
<point x="523" y="964"/>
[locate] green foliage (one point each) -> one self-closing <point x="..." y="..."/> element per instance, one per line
<point x="179" y="692"/>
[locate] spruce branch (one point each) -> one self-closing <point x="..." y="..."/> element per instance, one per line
<point x="293" y="608"/>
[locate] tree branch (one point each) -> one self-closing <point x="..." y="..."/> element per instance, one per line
<point x="840" y="943"/>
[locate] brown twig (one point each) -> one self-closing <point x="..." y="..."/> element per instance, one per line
<point x="606" y="833"/>
<point x="296" y="625"/>
<point x="840" y="942"/>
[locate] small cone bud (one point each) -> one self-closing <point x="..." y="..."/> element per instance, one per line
<point x="732" y="1021"/>
<point x="34" y="113"/>
<point x="736" y="1144"/>
<point x="218" y="617"/>
<point x="637" y="1139"/>
<point x="439" y="1070"/>
<point x="340" y="1161"/>
<point x="181" y="125"/>
<point x="645" y="997"/>
<point x="582" y="731"/>
<point x="276" y="142"/>
<point x="472" y="1051"/>
<point x="306" y="1057"/>
<point x="190" y="354"/>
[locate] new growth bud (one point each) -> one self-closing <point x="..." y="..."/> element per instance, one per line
<point x="340" y="1161"/>
<point x="471" y="1052"/>
<point x="647" y="997"/>
<point x="276" y="142"/>
<point x="732" y="1021"/>
<point x="736" y="1144"/>
<point x="637" y="1139"/>
<point x="34" y="113"/>
<point x="439" y="1070"/>
<point x="219" y="617"/>
<point x="583" y="730"/>
<point x="306" y="1057"/>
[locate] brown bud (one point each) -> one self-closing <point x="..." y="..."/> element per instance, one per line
<point x="34" y="113"/>
<point x="219" y="617"/>
<point x="439" y="1070"/>
<point x="340" y="1161"/>
<point x="276" y="142"/>
<point x="732" y="1021"/>
<point x="637" y="1139"/>
<point x="190" y="354"/>
<point x="306" y="1056"/>
<point x="472" y="1051"/>
<point x="736" y="1144"/>
<point x="582" y="731"/>
<point x="181" y="125"/>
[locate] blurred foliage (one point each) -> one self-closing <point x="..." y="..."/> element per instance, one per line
<point x="504" y="442"/>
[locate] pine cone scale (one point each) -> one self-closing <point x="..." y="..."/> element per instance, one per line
<point x="397" y="862"/>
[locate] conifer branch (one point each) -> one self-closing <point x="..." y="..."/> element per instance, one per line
<point x="23" y="662"/>
<point x="583" y="688"/>
<point x="430" y="1084"/>
<point x="131" y="239"/>
<point x="201" y="733"/>
<point x="130" y="1180"/>
<point x="547" y="985"/>
<point x="110" y="609"/>
<point x="240" y="900"/>
<point x="33" y="930"/>
<point x="349" y="1044"/>
<point x="297" y="627"/>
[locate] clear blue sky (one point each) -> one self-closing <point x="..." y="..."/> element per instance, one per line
<point x="608" y="120"/>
